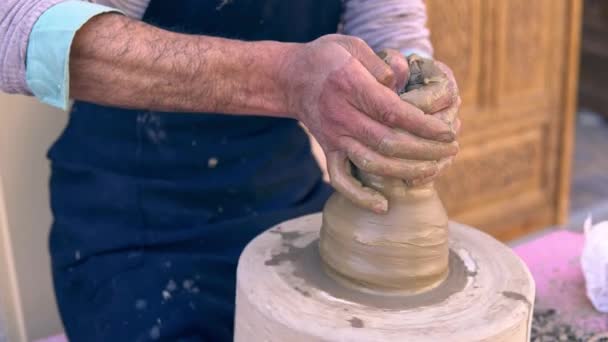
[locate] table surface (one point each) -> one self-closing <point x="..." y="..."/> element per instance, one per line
<point x="562" y="307"/>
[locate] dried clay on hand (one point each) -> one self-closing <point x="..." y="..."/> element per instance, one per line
<point x="594" y="261"/>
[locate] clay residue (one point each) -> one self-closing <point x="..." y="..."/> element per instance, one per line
<point x="305" y="264"/>
<point x="286" y="236"/>
<point x="290" y="249"/>
<point x="287" y="255"/>
<point x="404" y="250"/>
<point x="516" y="296"/>
<point x="356" y="322"/>
<point x="470" y="273"/>
<point x="548" y="325"/>
<point x="302" y="292"/>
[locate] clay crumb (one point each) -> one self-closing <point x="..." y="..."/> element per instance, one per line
<point x="171" y="285"/>
<point x="516" y="296"/>
<point x="289" y="255"/>
<point x="287" y="236"/>
<point x="302" y="292"/>
<point x="470" y="273"/>
<point x="141" y="304"/>
<point x="188" y="284"/>
<point x="155" y="333"/>
<point x="356" y="322"/>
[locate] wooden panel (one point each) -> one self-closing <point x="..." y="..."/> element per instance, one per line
<point x="516" y="65"/>
<point x="494" y="171"/>
<point x="522" y="49"/>
<point x="568" y="104"/>
<point x="594" y="57"/>
<point x="456" y="36"/>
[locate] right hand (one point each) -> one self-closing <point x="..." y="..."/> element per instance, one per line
<point x="344" y="94"/>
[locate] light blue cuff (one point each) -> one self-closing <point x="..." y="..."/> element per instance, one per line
<point x="407" y="52"/>
<point x="48" y="51"/>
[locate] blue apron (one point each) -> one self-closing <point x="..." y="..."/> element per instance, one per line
<point x="152" y="209"/>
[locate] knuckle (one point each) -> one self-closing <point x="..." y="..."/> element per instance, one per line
<point x="387" y="76"/>
<point x="357" y="42"/>
<point x="384" y="55"/>
<point x="360" y="159"/>
<point x="401" y="69"/>
<point x="420" y="170"/>
<point x="373" y="137"/>
<point x="333" y="140"/>
<point x="453" y="149"/>
<point x="387" y="146"/>
<point x="336" y="178"/>
<point x="387" y="116"/>
<point x="364" y="161"/>
<point x="430" y="169"/>
<point x="343" y="81"/>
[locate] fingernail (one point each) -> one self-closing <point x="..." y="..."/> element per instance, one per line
<point x="447" y="137"/>
<point x="381" y="207"/>
<point x="430" y="169"/>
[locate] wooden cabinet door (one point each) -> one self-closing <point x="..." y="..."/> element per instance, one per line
<point x="516" y="64"/>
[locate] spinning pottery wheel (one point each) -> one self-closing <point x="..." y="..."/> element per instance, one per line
<point x="284" y="294"/>
<point x="408" y="275"/>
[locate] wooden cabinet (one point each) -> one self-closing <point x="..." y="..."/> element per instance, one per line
<point x="594" y="57"/>
<point x="516" y="62"/>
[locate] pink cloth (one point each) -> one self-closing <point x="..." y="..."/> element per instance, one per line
<point x="396" y="24"/>
<point x="554" y="261"/>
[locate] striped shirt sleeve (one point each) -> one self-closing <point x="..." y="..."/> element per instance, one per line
<point x="395" y="24"/>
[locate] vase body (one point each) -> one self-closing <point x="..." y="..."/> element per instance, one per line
<point x="402" y="251"/>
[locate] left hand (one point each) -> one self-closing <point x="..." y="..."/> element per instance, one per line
<point x="430" y="86"/>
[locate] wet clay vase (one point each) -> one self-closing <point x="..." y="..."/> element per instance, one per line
<point x="402" y="251"/>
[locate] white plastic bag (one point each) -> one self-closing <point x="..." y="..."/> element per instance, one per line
<point x="594" y="261"/>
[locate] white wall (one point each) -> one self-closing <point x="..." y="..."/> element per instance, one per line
<point x="27" y="129"/>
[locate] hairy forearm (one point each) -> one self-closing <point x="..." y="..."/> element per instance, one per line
<point x="122" y="62"/>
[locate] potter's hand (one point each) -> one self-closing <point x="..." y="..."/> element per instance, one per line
<point x="399" y="65"/>
<point x="342" y="92"/>
<point x="432" y="88"/>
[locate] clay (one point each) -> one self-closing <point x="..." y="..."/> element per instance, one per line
<point x="307" y="264"/>
<point x="283" y="295"/>
<point x="404" y="250"/>
<point x="426" y="85"/>
<point x="388" y="277"/>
